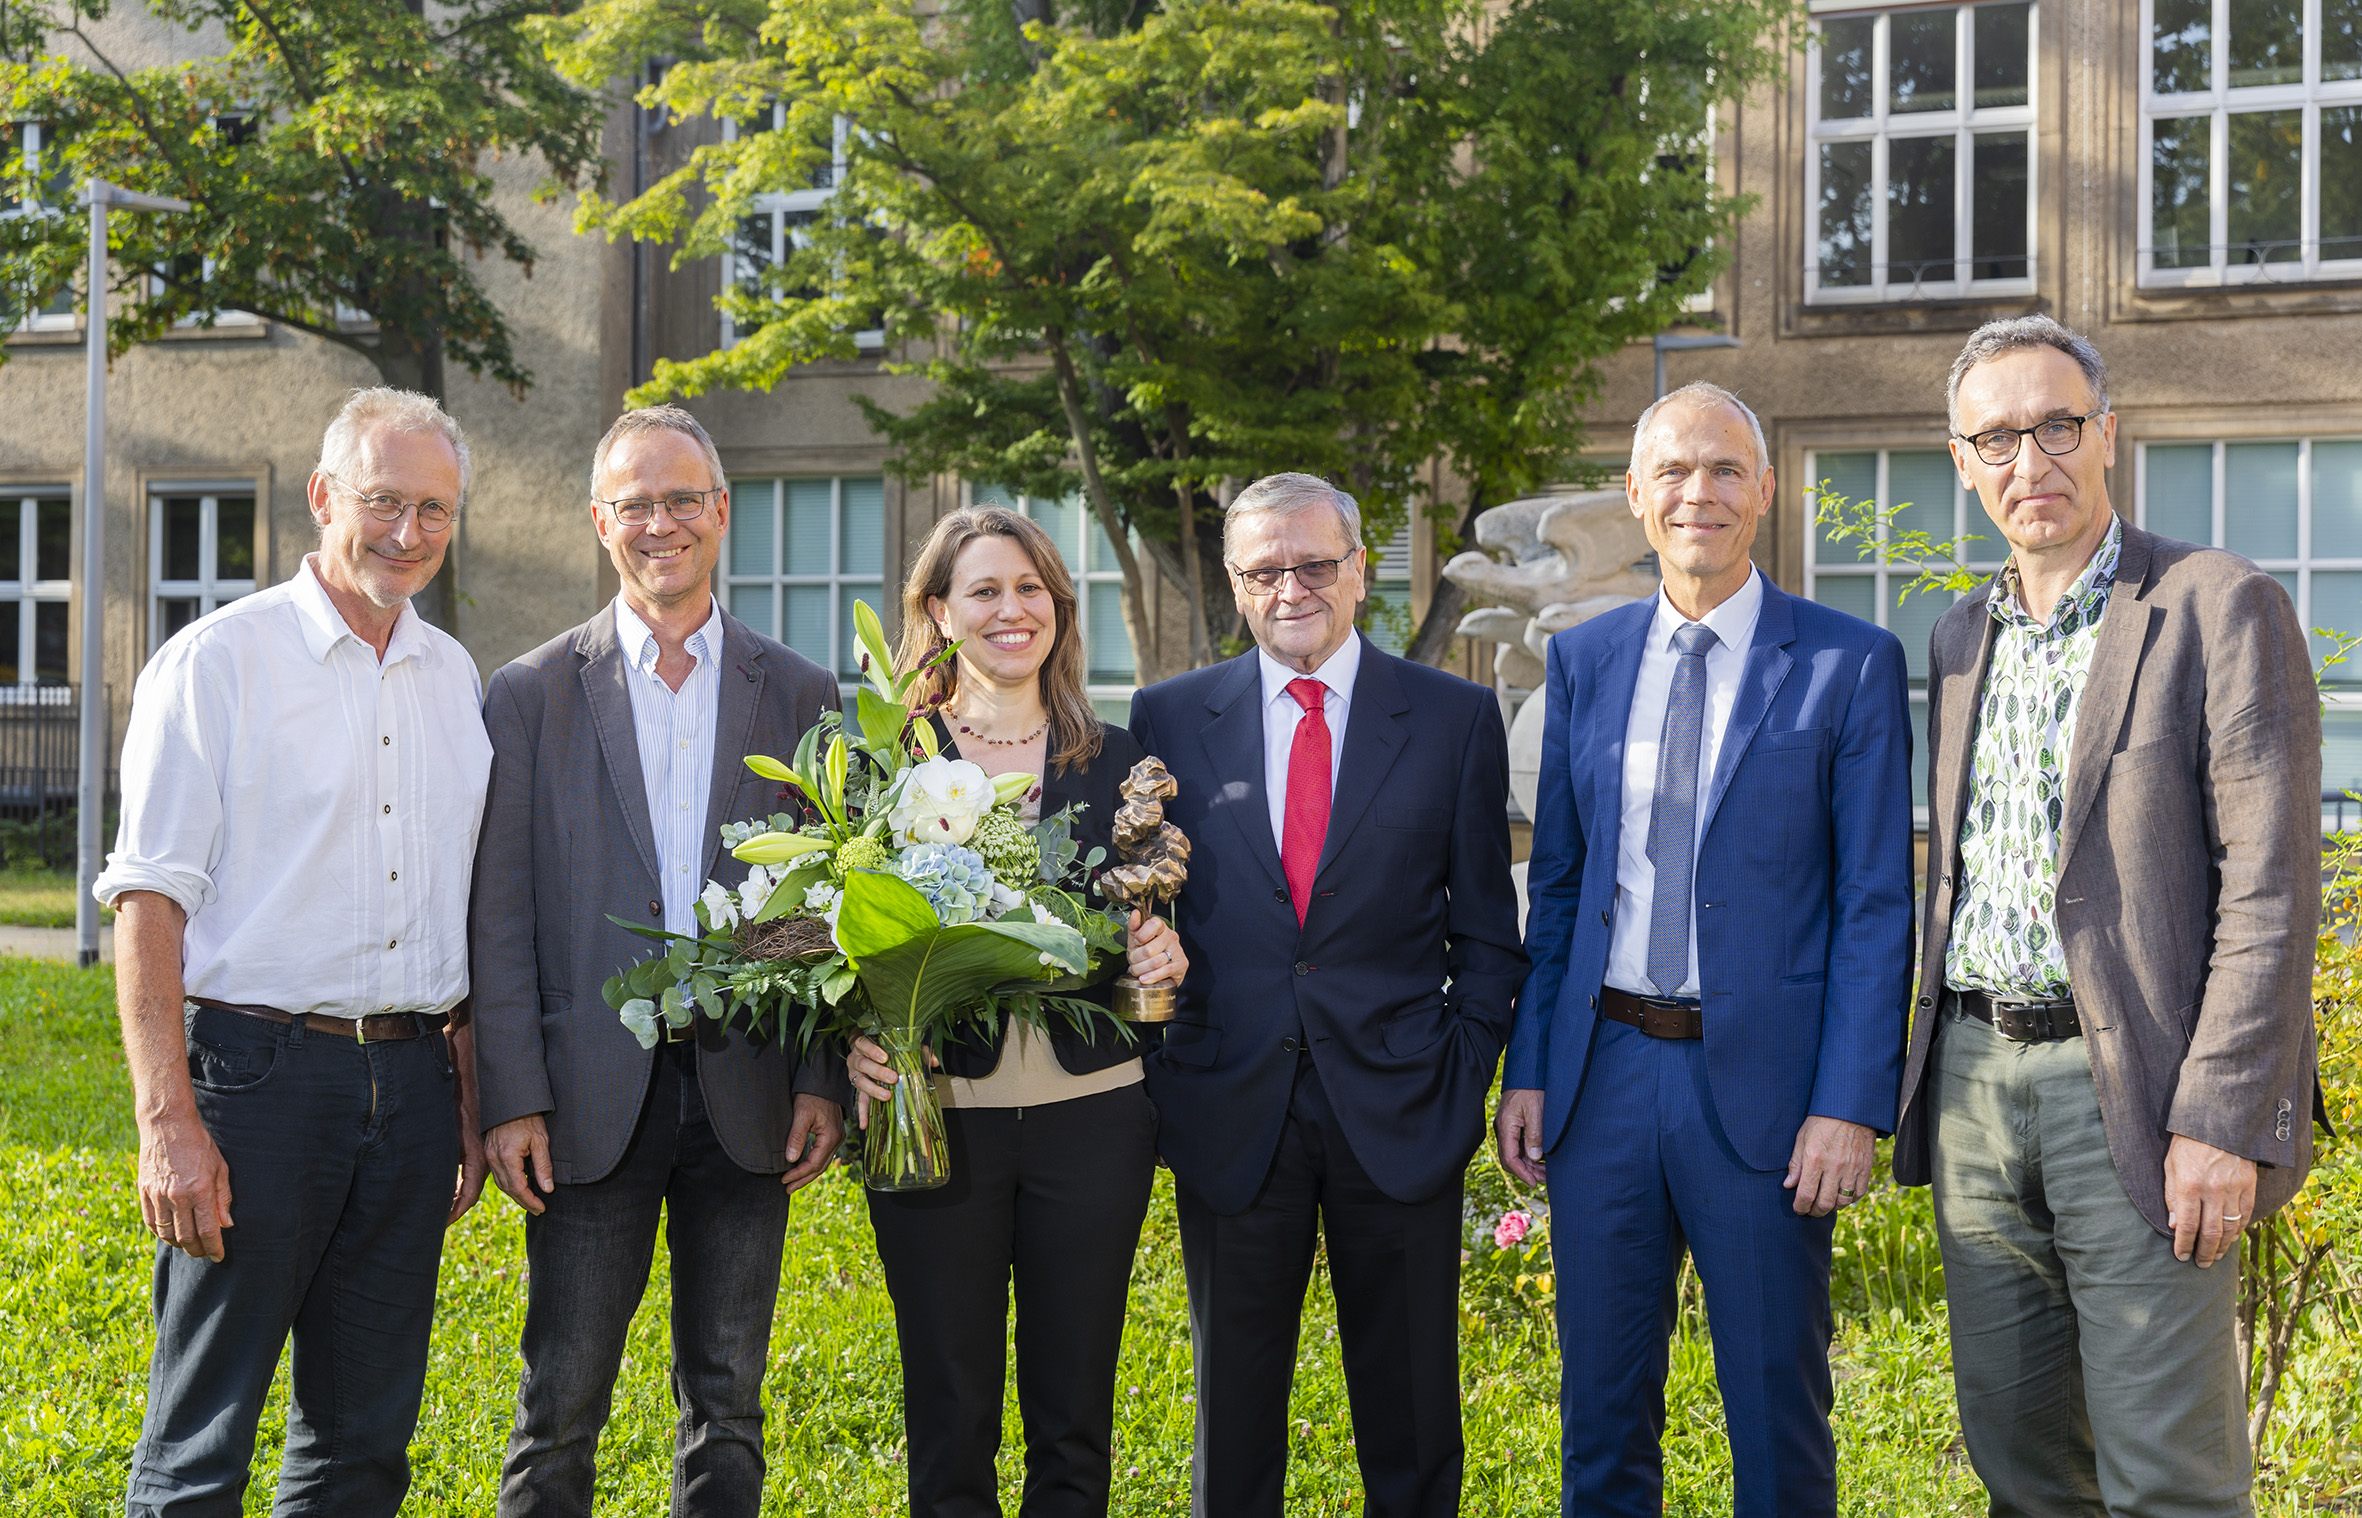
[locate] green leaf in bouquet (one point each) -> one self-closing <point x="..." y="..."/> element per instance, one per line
<point x="701" y="991"/>
<point x="615" y="993"/>
<point x="881" y="721"/>
<point x="871" y="634"/>
<point x="789" y="893"/>
<point x="929" y="744"/>
<point x="917" y="972"/>
<point x="839" y="980"/>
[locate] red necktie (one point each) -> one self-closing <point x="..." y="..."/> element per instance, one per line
<point x="1305" y="824"/>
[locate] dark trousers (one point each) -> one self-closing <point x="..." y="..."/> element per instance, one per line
<point x="1642" y="1173"/>
<point x="1395" y="1267"/>
<point x="1053" y="1196"/>
<point x="342" y="1158"/>
<point x="590" y="1251"/>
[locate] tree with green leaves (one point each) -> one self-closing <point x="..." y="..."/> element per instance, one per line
<point x="1149" y="247"/>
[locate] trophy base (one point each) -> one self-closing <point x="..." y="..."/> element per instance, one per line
<point x="1136" y="1003"/>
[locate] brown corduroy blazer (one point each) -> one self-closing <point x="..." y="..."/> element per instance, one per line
<point x="2189" y="865"/>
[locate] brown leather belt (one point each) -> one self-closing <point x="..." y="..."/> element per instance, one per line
<point x="1655" y="1016"/>
<point x="2023" y="1022"/>
<point x="377" y="1027"/>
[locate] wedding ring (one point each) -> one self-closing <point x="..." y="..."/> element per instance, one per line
<point x="2230" y="1217"/>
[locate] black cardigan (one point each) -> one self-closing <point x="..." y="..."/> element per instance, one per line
<point x="969" y="1055"/>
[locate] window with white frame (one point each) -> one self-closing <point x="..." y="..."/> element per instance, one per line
<point x="800" y="551"/>
<point x="1387" y="617"/>
<point x="778" y="224"/>
<point x="2294" y="506"/>
<point x="1108" y="671"/>
<point x="1920" y="170"/>
<point x="2251" y="141"/>
<point x="36" y="585"/>
<point x="33" y="182"/>
<point x="1925" y="488"/>
<point x="200" y="555"/>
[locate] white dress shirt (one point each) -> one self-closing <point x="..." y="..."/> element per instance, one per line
<point x="1281" y="713"/>
<point x="676" y="733"/>
<point x="1733" y="625"/>
<point x="312" y="809"/>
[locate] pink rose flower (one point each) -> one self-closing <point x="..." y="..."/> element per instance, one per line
<point x="1511" y="1229"/>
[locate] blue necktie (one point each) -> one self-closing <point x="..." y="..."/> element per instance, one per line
<point x="1673" y="817"/>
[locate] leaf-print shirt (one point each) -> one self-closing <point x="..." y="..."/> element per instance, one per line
<point x="2005" y="937"/>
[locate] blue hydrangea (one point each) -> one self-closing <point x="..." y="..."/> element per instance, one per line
<point x="955" y="880"/>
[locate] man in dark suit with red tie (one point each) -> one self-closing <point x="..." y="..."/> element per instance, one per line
<point x="1353" y="941"/>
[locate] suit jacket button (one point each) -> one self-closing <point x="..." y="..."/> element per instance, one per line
<point x="655" y="909"/>
<point x="1603" y="916"/>
<point x="1925" y="1002"/>
<point x="1280" y="895"/>
<point x="1302" y="968"/>
<point x="1290" y="1045"/>
<point x="1594" y="1003"/>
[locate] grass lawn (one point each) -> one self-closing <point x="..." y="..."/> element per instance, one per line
<point x="74" y="1337"/>
<point x="38" y="899"/>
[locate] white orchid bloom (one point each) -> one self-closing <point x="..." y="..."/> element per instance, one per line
<point x="721" y="908"/>
<point x="940" y="801"/>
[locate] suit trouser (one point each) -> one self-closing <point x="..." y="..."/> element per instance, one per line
<point x="2097" y="1373"/>
<point x="1395" y="1267"/>
<point x="1642" y="1173"/>
<point x="342" y="1157"/>
<point x="590" y="1251"/>
<point x="1052" y="1196"/>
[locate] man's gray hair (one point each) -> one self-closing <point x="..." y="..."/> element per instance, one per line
<point x="2010" y="335"/>
<point x="1699" y="393"/>
<point x="381" y="408"/>
<point x="656" y="419"/>
<point x="1284" y="495"/>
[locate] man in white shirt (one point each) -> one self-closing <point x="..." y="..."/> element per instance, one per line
<point x="303" y="777"/>
<point x="1708" y="1045"/>
<point x="618" y="759"/>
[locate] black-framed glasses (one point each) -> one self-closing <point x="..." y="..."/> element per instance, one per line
<point x="433" y="515"/>
<point x="680" y="505"/>
<point x="1312" y="574"/>
<point x="2060" y="435"/>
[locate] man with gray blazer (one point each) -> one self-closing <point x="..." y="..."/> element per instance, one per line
<point x="2111" y="1066"/>
<point x="616" y="761"/>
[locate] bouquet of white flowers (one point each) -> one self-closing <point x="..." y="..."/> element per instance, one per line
<point x="917" y="903"/>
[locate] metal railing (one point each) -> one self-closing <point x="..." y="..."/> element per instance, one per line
<point x="40" y="756"/>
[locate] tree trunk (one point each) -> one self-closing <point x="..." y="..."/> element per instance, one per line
<point x="1433" y="644"/>
<point x="1144" y="661"/>
<point x="1201" y="649"/>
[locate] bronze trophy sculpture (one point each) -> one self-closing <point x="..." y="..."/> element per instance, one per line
<point x="1156" y="863"/>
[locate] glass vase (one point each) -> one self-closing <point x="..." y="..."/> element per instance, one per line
<point x="907" y="1149"/>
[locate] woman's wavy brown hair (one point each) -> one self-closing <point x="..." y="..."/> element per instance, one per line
<point x="1074" y="723"/>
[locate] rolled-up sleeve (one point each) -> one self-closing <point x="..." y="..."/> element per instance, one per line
<point x="170" y="836"/>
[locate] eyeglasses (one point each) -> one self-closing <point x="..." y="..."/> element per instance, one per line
<point x="433" y="516"/>
<point x="1313" y="574"/>
<point x="681" y="506"/>
<point x="2059" y="435"/>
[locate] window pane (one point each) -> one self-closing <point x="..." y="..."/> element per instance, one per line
<point x="2178" y="152"/>
<point x="172" y="614"/>
<point x="1855" y="595"/>
<point x="1845" y="213"/>
<point x="2259" y="500"/>
<point x="184" y="522"/>
<point x="751" y="604"/>
<point x="1102" y="554"/>
<point x="57" y="175"/>
<point x="1851" y="475"/>
<point x="1997" y="230"/>
<point x="49" y="642"/>
<point x="1388" y="620"/>
<point x="2267" y="42"/>
<point x="1063" y="521"/>
<point x="1110" y="641"/>
<point x="807" y="622"/>
<point x="11" y="632"/>
<point x="2341" y="754"/>
<point x="1912" y="621"/>
<point x="848" y="646"/>
<point x="1920" y="479"/>
<point x="752" y="246"/>
<point x="1845" y="67"/>
<point x="11" y="544"/>
<point x="1919" y="209"/>
<point x="55" y="544"/>
<point x="2337" y="501"/>
<point x="862" y="542"/>
<point x="2341" y="180"/>
<point x="2180" y="491"/>
<point x="1922" y="57"/>
<point x="809" y="503"/>
<point x="2266" y="177"/>
<point x="2001" y="55"/>
<point x="2181" y="48"/>
<point x="2337" y="606"/>
<point x="2341" y="39"/>
<point x="233" y="552"/>
<point x="992" y="495"/>
<point x="754" y="528"/>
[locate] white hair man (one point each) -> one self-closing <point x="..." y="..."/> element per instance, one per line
<point x="302" y="780"/>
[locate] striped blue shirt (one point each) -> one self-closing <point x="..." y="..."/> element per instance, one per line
<point x="676" y="733"/>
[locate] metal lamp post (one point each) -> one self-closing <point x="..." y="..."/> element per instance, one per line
<point x="92" y="790"/>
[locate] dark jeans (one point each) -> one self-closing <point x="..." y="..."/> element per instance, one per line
<point x="1055" y="1196"/>
<point x="342" y="1158"/>
<point x="589" y="1254"/>
<point x="1395" y="1267"/>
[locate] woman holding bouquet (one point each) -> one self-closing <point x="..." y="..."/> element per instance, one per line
<point x="1052" y="1136"/>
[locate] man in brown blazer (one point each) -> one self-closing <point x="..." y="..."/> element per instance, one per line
<point x="2111" y="1067"/>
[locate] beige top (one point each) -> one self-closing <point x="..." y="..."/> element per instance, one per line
<point x="1029" y="1074"/>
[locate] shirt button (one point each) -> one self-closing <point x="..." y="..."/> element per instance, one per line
<point x="393" y="875"/>
<point x="387" y="740"/>
<point x="389" y="809"/>
<point x="389" y="943"/>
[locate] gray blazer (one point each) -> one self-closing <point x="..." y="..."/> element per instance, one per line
<point x="2189" y="865"/>
<point x="566" y="842"/>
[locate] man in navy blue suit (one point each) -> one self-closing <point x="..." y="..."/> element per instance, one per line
<point x="1352" y="935"/>
<point x="1710" y="1041"/>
